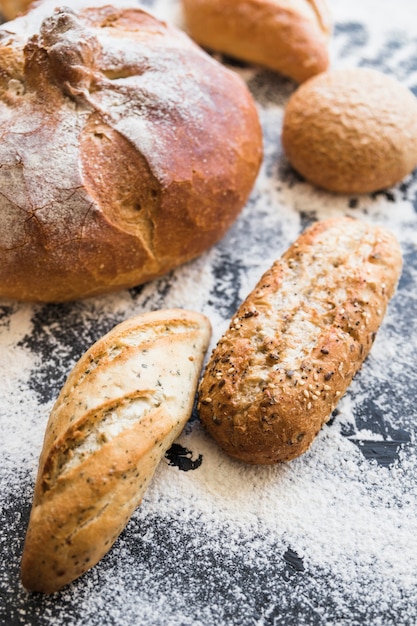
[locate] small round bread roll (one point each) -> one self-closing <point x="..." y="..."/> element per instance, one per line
<point x="288" y="36"/>
<point x="351" y="131"/>
<point x="125" y="150"/>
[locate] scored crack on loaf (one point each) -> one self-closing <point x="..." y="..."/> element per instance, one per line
<point x="295" y="343"/>
<point x="125" y="150"/>
<point x="122" y="406"/>
<point x="288" y="36"/>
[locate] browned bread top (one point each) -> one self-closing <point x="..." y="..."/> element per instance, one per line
<point x="298" y="339"/>
<point x="126" y="150"/>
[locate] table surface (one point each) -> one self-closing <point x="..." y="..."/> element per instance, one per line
<point x="326" y="539"/>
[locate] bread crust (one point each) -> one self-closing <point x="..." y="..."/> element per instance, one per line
<point x="122" y="406"/>
<point x="10" y="9"/>
<point x="125" y="150"/>
<point x="288" y="36"/>
<point x="298" y="339"/>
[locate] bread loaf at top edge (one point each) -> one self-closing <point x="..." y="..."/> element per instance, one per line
<point x="288" y="36"/>
<point x="9" y="9"/>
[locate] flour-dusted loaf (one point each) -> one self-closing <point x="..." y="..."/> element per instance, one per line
<point x="122" y="406"/>
<point x="125" y="150"/>
<point x="298" y="339"/>
<point x="288" y="36"/>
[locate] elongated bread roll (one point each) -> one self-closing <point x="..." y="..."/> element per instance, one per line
<point x="120" y="409"/>
<point x="298" y="339"/>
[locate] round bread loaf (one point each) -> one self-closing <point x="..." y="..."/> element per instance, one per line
<point x="125" y="150"/>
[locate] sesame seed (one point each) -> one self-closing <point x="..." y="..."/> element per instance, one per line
<point x="327" y="387"/>
<point x="306" y="393"/>
<point x="309" y="405"/>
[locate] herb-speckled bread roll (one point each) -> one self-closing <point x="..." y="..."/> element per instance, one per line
<point x="288" y="36"/>
<point x="298" y="339"/>
<point x="120" y="409"/>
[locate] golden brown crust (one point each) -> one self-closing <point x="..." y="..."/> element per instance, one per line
<point x="120" y="409"/>
<point x="298" y="339"/>
<point x="10" y="9"/>
<point x="126" y="151"/>
<point x="288" y="36"/>
<point x="351" y="131"/>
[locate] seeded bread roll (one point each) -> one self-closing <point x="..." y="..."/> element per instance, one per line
<point x="125" y="150"/>
<point x="121" y="408"/>
<point x="288" y="36"/>
<point x="298" y="339"/>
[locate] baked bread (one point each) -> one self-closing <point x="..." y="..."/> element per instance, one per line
<point x="10" y="9"/>
<point x="122" y="406"/>
<point x="298" y="339"/>
<point x="126" y="150"/>
<point x="288" y="36"/>
<point x="351" y="130"/>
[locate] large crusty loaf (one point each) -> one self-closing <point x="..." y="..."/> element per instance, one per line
<point x="288" y="36"/>
<point x="125" y="150"/>
<point x="298" y="339"/>
<point x="120" y="409"/>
